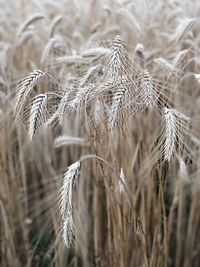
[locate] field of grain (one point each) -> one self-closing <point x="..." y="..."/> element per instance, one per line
<point x="99" y="133"/>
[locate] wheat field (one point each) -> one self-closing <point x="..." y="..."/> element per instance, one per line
<point x="99" y="133"/>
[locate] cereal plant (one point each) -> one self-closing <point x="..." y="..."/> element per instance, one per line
<point x="99" y="122"/>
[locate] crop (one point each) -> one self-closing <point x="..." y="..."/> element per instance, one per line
<point x="100" y="135"/>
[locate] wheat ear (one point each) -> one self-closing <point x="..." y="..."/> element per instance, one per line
<point x="147" y="93"/>
<point x="184" y="26"/>
<point x="170" y="133"/>
<point x="24" y="89"/>
<point x="53" y="25"/>
<point x="164" y="64"/>
<point x="68" y="140"/>
<point x="90" y="73"/>
<point x="66" y="202"/>
<point x="117" y="112"/>
<point x="176" y="125"/>
<point x="121" y="181"/>
<point x="37" y="113"/>
<point x="117" y="61"/>
<point x="29" y="21"/>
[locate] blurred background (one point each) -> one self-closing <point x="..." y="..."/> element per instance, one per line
<point x="158" y="222"/>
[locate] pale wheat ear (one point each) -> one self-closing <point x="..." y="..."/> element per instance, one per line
<point x="69" y="140"/>
<point x="170" y="133"/>
<point x="24" y="37"/>
<point x="37" y="114"/>
<point x="47" y="49"/>
<point x="118" y="61"/>
<point x="29" y="21"/>
<point x="197" y="77"/>
<point x="183" y="172"/>
<point x="66" y="202"/>
<point x="175" y="128"/>
<point x="180" y="58"/>
<point x="117" y="114"/>
<point x="165" y="65"/>
<point x="97" y="51"/>
<point x="133" y="21"/>
<point x="24" y="89"/>
<point x="140" y="54"/>
<point x="147" y="92"/>
<point x="121" y="181"/>
<point x="140" y="50"/>
<point x="53" y="25"/>
<point x="4" y="98"/>
<point x="142" y="94"/>
<point x="71" y="60"/>
<point x="90" y="74"/>
<point x="183" y="27"/>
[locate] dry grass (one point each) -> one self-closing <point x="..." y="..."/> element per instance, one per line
<point x="99" y="133"/>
